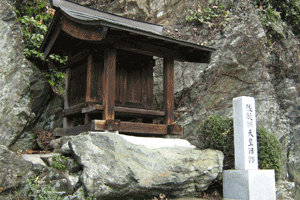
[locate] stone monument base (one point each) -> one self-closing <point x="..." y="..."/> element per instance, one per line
<point x="249" y="184"/>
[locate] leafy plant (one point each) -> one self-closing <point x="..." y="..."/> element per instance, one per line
<point x="59" y="162"/>
<point x="41" y="193"/>
<point x="214" y="15"/>
<point x="35" y="17"/>
<point x="216" y="132"/>
<point x="56" y="80"/>
<point x="289" y="11"/>
<point x="269" y="152"/>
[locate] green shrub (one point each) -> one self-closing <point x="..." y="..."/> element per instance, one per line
<point x="38" y="192"/>
<point x="214" y="15"/>
<point x="269" y="152"/>
<point x="288" y="10"/>
<point x="216" y="132"/>
<point x="35" y="17"/>
<point x="59" y="162"/>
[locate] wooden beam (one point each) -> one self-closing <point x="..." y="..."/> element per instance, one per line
<point x="125" y="111"/>
<point x="67" y="87"/>
<point x="52" y="41"/>
<point x="122" y="127"/>
<point x="175" y="129"/>
<point x="138" y="112"/>
<point x="168" y="76"/>
<point x="109" y="83"/>
<point x="143" y="128"/>
<point x="73" y="130"/>
<point x="93" y="109"/>
<point x="75" y="109"/>
<point x="87" y="119"/>
<point x="83" y="32"/>
<point x="76" y="58"/>
<point x="89" y="78"/>
<point x="146" y="47"/>
<point x="132" y="127"/>
<point x="88" y="86"/>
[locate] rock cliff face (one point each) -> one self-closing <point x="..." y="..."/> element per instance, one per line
<point x="242" y="65"/>
<point x="27" y="102"/>
<point x="15" y="71"/>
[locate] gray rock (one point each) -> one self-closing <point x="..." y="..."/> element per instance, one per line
<point x="285" y="190"/>
<point x="15" y="71"/>
<point x="65" y="149"/>
<point x="26" y="98"/>
<point x="27" y="140"/>
<point x="72" y="166"/>
<point x="114" y="167"/>
<point x="16" y="173"/>
<point x="40" y="92"/>
<point x="13" y="169"/>
<point x="78" y="195"/>
<point x="35" y="159"/>
<point x="50" y="117"/>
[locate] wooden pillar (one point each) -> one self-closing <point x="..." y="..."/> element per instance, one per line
<point x="88" y="85"/>
<point x="109" y="83"/>
<point x="169" y="90"/>
<point x="67" y="122"/>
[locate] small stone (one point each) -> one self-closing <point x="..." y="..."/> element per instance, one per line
<point x="65" y="149"/>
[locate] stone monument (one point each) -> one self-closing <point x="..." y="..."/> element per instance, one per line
<point x="247" y="181"/>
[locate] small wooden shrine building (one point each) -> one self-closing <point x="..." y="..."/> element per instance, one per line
<point x="109" y="75"/>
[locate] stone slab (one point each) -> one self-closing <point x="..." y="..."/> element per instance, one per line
<point x="249" y="184"/>
<point x="153" y="143"/>
<point x="36" y="158"/>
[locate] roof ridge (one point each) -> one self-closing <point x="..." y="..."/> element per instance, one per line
<point x="94" y="15"/>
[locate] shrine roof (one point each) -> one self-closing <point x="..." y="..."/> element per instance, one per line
<point x="87" y="15"/>
<point x="133" y="31"/>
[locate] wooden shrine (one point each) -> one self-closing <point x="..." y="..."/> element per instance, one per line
<point x="109" y="76"/>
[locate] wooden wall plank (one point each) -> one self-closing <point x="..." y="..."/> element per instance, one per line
<point x="97" y="75"/>
<point x="149" y="85"/>
<point x="168" y="75"/>
<point x="66" y="121"/>
<point x="109" y="83"/>
<point x="89" y="78"/>
<point x="77" y="93"/>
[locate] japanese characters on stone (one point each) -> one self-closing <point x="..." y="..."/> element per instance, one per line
<point x="251" y="134"/>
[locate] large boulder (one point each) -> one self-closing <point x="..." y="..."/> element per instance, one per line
<point x="15" y="71"/>
<point x="115" y="166"/>
<point x="27" y="102"/>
